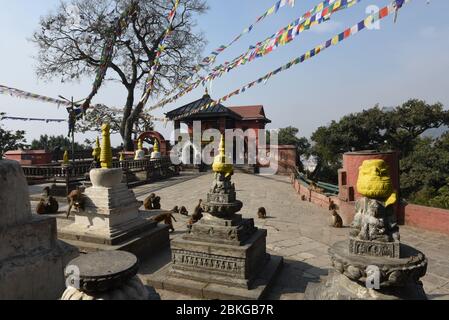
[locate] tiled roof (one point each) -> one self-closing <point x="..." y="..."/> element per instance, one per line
<point x="212" y="111"/>
<point x="249" y="112"/>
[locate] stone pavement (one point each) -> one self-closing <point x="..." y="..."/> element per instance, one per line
<point x="299" y="231"/>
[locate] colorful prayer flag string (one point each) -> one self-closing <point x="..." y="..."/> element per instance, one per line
<point x="116" y="31"/>
<point x="160" y="50"/>
<point x="214" y="54"/>
<point x="320" y="13"/>
<point x="366" y="23"/>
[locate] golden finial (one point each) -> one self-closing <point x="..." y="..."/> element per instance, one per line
<point x="106" y="151"/>
<point x="122" y="156"/>
<point x="140" y="145"/>
<point x="65" y="159"/>
<point x="222" y="163"/>
<point x="97" y="150"/>
<point x="156" y="146"/>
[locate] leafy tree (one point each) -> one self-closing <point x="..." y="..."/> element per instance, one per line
<point x="374" y="129"/>
<point x="72" y="50"/>
<point x="425" y="172"/>
<point x="46" y="142"/>
<point x="10" y="140"/>
<point x="289" y="136"/>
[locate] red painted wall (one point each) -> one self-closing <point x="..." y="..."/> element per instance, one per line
<point x="426" y="218"/>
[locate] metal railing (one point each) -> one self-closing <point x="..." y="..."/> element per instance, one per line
<point x="329" y="189"/>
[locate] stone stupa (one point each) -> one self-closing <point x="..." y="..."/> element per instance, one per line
<point x="374" y="264"/>
<point x="111" y="219"/>
<point x="224" y="255"/>
<point x="32" y="259"/>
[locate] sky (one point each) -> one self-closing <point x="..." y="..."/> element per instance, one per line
<point x="402" y="60"/>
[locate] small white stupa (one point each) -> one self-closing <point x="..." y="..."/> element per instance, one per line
<point x="156" y="153"/>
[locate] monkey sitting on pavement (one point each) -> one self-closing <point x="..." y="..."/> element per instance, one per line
<point x="47" y="204"/>
<point x="337" y="221"/>
<point x="157" y="203"/>
<point x="262" y="213"/>
<point x="166" y="218"/>
<point x="175" y="209"/>
<point x="148" y="203"/>
<point x="183" y="211"/>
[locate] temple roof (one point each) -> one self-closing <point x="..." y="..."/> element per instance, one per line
<point x="238" y="113"/>
<point x="219" y="109"/>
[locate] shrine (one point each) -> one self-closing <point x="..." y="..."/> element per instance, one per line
<point x="221" y="118"/>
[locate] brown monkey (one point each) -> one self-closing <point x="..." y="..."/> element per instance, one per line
<point x="167" y="218"/>
<point x="332" y="205"/>
<point x="197" y="214"/>
<point x="262" y="213"/>
<point x="337" y="221"/>
<point x="184" y="211"/>
<point x="40" y="209"/>
<point x="175" y="209"/>
<point x="76" y="199"/>
<point x="148" y="203"/>
<point x="303" y="198"/>
<point x="157" y="203"/>
<point x="52" y="205"/>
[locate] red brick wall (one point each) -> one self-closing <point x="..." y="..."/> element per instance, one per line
<point x="426" y="218"/>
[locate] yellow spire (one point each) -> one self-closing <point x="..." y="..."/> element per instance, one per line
<point x="140" y="145"/>
<point x="156" y="146"/>
<point x="122" y="156"/>
<point x="221" y="163"/>
<point x="106" y="152"/>
<point x="65" y="158"/>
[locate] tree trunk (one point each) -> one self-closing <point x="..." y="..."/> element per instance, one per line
<point x="126" y="128"/>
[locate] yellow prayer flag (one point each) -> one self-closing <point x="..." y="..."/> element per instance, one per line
<point x="337" y="4"/>
<point x="335" y="40"/>
<point x="271" y="10"/>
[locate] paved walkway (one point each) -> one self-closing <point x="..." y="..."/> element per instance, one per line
<point x="298" y="231"/>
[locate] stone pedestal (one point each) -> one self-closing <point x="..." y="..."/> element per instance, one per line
<point x="353" y="276"/>
<point x="32" y="260"/>
<point x="107" y="275"/>
<point x="111" y="219"/>
<point x="224" y="255"/>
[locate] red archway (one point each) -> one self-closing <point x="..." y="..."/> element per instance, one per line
<point x="163" y="146"/>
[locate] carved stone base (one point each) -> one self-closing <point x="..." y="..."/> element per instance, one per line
<point x="395" y="278"/>
<point x="232" y="265"/>
<point x="233" y="230"/>
<point x="340" y="287"/>
<point x="143" y="240"/>
<point x="374" y="248"/>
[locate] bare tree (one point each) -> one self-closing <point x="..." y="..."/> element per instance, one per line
<point x="71" y="42"/>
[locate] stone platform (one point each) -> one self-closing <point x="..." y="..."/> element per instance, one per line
<point x="111" y="219"/>
<point x="143" y="240"/>
<point x="164" y="280"/>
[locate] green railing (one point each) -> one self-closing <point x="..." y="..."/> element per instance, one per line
<point x="329" y="189"/>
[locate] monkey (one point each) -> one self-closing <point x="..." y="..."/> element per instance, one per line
<point x="337" y="221"/>
<point x="184" y="211"/>
<point x="52" y="205"/>
<point x="40" y="209"/>
<point x="303" y="198"/>
<point x="148" y="203"/>
<point x="175" y="209"/>
<point x="167" y="218"/>
<point x="76" y="199"/>
<point x="157" y="203"/>
<point x="332" y="205"/>
<point x="262" y="213"/>
<point x="197" y="214"/>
